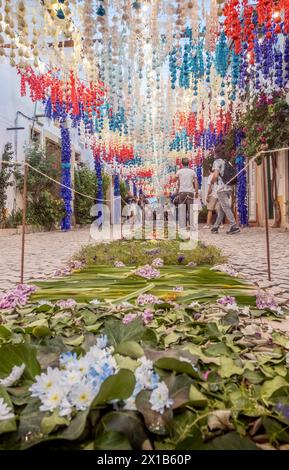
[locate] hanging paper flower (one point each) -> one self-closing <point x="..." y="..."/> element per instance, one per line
<point x="66" y="193"/>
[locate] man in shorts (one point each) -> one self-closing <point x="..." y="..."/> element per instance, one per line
<point x="187" y="188"/>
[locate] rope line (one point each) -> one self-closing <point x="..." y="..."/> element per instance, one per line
<point x="110" y="200"/>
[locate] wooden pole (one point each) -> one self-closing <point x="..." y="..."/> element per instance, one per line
<point x="24" y="222"/>
<point x="266" y="219"/>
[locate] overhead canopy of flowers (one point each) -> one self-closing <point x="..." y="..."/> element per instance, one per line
<point x="162" y="77"/>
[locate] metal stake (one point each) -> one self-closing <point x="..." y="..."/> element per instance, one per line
<point x="24" y="222"/>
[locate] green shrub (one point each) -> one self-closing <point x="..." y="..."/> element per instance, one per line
<point x="138" y="252"/>
<point x="43" y="208"/>
<point x="85" y="182"/>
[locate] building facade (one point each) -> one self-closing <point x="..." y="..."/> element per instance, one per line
<point x="21" y="113"/>
<point x="277" y="188"/>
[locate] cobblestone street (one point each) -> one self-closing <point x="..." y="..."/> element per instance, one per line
<point x="247" y="254"/>
<point x="47" y="251"/>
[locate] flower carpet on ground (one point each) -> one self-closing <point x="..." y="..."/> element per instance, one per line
<point x="150" y="356"/>
<point x="149" y="373"/>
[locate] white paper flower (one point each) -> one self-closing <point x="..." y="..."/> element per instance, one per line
<point x="15" y="375"/>
<point x="53" y="398"/>
<point x="159" y="399"/>
<point x="81" y="396"/>
<point x="45" y="382"/>
<point x="6" y="411"/>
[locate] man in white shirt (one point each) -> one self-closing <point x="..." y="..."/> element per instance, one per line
<point x="187" y="185"/>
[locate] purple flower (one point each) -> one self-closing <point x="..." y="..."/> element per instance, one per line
<point x="266" y="300"/>
<point x="227" y="300"/>
<point x="66" y="304"/>
<point x="178" y="289"/>
<point x="148" y="272"/>
<point x="191" y="264"/>
<point x="119" y="264"/>
<point x="147" y="316"/>
<point x="181" y="258"/>
<point x="282" y="409"/>
<point x="158" y="262"/>
<point x="147" y="299"/>
<point x="17" y="296"/>
<point x="129" y="318"/>
<point x="206" y="375"/>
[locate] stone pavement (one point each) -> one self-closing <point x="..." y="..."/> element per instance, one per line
<point x="48" y="251"/>
<point x="247" y="254"/>
<point x="45" y="252"/>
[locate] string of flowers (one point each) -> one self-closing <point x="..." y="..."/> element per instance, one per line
<point x="66" y="193"/>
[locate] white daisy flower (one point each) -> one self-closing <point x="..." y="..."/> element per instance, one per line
<point x="81" y="396"/>
<point x="14" y="375"/>
<point x="45" y="382"/>
<point x="52" y="399"/>
<point x="160" y="398"/>
<point x="6" y="411"/>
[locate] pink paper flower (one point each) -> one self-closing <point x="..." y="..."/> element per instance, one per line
<point x="158" y="263"/>
<point x="147" y="299"/>
<point x="129" y="318"/>
<point x="17" y="296"/>
<point x="147" y="316"/>
<point x="66" y="304"/>
<point x="148" y="272"/>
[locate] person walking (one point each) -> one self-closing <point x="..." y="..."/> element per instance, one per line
<point x="224" y="191"/>
<point x="187" y="187"/>
<point x="212" y="202"/>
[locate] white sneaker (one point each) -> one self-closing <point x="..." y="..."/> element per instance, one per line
<point x="207" y="226"/>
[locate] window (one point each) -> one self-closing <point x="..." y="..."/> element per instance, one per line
<point x="35" y="136"/>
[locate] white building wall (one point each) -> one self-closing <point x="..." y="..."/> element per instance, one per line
<point x="11" y="102"/>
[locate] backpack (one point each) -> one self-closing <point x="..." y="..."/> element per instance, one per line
<point x="230" y="172"/>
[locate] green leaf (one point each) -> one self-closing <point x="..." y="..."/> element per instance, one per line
<point x="130" y="348"/>
<point x="231" y="318"/>
<point x="4" y="332"/>
<point x="127" y="423"/>
<point x="116" y="387"/>
<point x="17" y="354"/>
<point x="172" y="338"/>
<point x="230" y="441"/>
<point x="41" y="331"/>
<point x="229" y="368"/>
<point x="125" y="362"/>
<point x="74" y="341"/>
<point x="30" y="432"/>
<point x="171" y="363"/>
<point x="112" y="440"/>
<point x="212" y="331"/>
<point x="117" y="332"/>
<point x="52" y="422"/>
<point x="37" y="323"/>
<point x="7" y="425"/>
<point x="197" y="399"/>
<point x="179" y="387"/>
<point x="275" y="431"/>
<point x="254" y="377"/>
<point x="94" y="328"/>
<point x="218" y="349"/>
<point x="155" y="422"/>
<point x="270" y="387"/>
